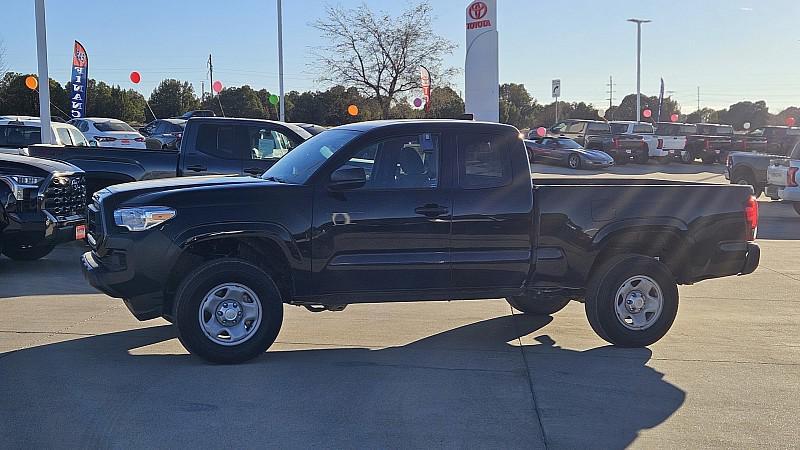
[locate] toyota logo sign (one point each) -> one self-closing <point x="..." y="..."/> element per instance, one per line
<point x="478" y="10"/>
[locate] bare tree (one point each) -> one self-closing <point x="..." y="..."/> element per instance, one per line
<point x="380" y="54"/>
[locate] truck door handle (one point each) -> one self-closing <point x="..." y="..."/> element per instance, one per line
<point x="431" y="210"/>
<point x="254" y="171"/>
<point x="197" y="168"/>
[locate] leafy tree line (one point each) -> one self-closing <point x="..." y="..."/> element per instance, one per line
<point x="329" y="107"/>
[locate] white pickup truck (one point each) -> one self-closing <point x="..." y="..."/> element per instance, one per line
<point x="671" y="139"/>
<point x="646" y="131"/>
<point x="783" y="179"/>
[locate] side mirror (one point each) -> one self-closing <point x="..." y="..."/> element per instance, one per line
<point x="92" y="143"/>
<point x="348" y="177"/>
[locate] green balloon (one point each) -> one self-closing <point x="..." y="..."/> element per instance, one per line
<point x="274" y="99"/>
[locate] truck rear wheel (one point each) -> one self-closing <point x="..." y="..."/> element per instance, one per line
<point x="708" y="159"/>
<point x="541" y="306"/>
<point x="21" y="251"/>
<point x="742" y="177"/>
<point x="632" y="300"/>
<point x="687" y="157"/>
<point x="641" y="157"/>
<point x="228" y="311"/>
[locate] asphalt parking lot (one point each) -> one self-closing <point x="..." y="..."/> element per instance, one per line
<point x="77" y="370"/>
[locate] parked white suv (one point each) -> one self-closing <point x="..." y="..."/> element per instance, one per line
<point x="18" y="132"/>
<point x="783" y="178"/>
<point x="109" y="132"/>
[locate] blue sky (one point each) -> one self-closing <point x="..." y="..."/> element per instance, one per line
<point x="732" y="49"/>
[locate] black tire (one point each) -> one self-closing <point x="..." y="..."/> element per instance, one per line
<point x="601" y="302"/>
<point x="742" y="177"/>
<point x="537" y="306"/>
<point x="27" y="252"/>
<point x="796" y="207"/>
<point x="202" y="281"/>
<point x="708" y="159"/>
<point x="687" y="157"/>
<point x="574" y="161"/>
<point x="621" y="161"/>
<point x="641" y="157"/>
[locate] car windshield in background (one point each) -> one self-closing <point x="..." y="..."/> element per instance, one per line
<point x="113" y="126"/>
<point x="619" y="128"/>
<point x="299" y="164"/>
<point x="18" y="136"/>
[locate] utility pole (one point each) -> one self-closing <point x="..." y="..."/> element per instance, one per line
<point x="698" y="98"/>
<point x="282" y="114"/>
<point x="611" y="95"/>
<point x="44" y="77"/>
<point x="202" y="91"/>
<point x="211" y="74"/>
<point x="639" y="23"/>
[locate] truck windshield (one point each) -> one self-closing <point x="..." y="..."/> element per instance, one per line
<point x="299" y="164"/>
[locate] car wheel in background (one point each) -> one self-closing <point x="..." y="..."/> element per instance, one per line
<point x="574" y="161"/>
<point x="632" y="300"/>
<point x="687" y="157"/>
<point x="228" y="311"/>
<point x="641" y="157"/>
<point x="708" y="159"/>
<point x="23" y="251"/>
<point x="746" y="179"/>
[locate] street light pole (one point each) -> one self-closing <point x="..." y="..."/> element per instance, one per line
<point x="44" y="77"/>
<point x="639" y="23"/>
<point x="280" y="63"/>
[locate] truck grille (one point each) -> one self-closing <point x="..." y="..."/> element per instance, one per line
<point x="65" y="197"/>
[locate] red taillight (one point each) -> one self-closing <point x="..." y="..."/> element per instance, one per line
<point x="105" y="139"/>
<point x="751" y="215"/>
<point x="139" y="139"/>
<point x="660" y="144"/>
<point x="791" y="177"/>
<point x="729" y="161"/>
<point x="615" y="143"/>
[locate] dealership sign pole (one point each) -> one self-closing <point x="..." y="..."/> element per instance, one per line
<point x="44" y="87"/>
<point x="80" y="78"/>
<point x="282" y="110"/>
<point x="556" y="94"/>
<point x="481" y="72"/>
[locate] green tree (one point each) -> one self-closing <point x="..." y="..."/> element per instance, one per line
<point x="627" y="108"/>
<point x="757" y="114"/>
<point x="583" y="110"/>
<point x="237" y="102"/>
<point x="705" y="115"/>
<point x="517" y="107"/>
<point x="780" y="118"/>
<point x="445" y="104"/>
<point x="17" y="99"/>
<point x="380" y="54"/>
<point x="172" y="98"/>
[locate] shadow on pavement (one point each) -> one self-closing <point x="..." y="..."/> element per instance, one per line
<point x="59" y="273"/>
<point x="466" y="387"/>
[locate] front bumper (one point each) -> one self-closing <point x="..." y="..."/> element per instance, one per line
<point x="42" y="227"/>
<point x="789" y="194"/>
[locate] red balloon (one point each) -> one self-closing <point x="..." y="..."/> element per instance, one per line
<point x="541" y="131"/>
<point x="136" y="77"/>
<point x="217" y="86"/>
<point x="674" y="117"/>
<point x="647" y="113"/>
<point x="790" y="121"/>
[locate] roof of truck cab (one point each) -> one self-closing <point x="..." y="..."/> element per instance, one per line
<point x="374" y="124"/>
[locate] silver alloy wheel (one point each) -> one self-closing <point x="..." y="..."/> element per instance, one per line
<point x="230" y="314"/>
<point x="686" y="157"/>
<point x="574" y="161"/>
<point x="638" y="303"/>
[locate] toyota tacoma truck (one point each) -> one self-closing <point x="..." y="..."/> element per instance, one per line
<point x="210" y="145"/>
<point x="394" y="211"/>
<point x="42" y="204"/>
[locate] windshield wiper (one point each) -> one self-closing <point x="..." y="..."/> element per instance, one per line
<point x="275" y="179"/>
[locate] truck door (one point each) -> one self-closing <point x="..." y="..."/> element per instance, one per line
<point x="214" y="149"/>
<point x="491" y="234"/>
<point x="392" y="234"/>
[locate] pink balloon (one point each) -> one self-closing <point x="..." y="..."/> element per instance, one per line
<point x="790" y="121"/>
<point x="541" y="131"/>
<point x="674" y="117"/>
<point x="647" y="113"/>
<point x="217" y="86"/>
<point x="136" y="77"/>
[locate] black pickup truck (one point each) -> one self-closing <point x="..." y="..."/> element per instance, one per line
<point x="771" y="140"/>
<point x="210" y="145"/>
<point x="42" y="204"/>
<point x="597" y="135"/>
<point x="711" y="143"/>
<point x="410" y="210"/>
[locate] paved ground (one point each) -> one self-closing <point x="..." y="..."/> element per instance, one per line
<point x="76" y="370"/>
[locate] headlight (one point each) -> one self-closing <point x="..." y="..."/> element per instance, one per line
<point x="18" y="184"/>
<point x="143" y="217"/>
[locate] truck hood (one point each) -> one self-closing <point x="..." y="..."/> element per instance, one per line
<point x="168" y="184"/>
<point x="26" y="165"/>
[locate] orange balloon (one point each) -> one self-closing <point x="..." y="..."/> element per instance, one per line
<point x="31" y="82"/>
<point x="352" y="110"/>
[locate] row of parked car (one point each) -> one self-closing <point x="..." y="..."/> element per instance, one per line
<point x="579" y="143"/>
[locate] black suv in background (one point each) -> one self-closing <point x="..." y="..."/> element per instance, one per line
<point x="163" y="134"/>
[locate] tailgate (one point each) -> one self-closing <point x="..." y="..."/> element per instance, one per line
<point x="776" y="175"/>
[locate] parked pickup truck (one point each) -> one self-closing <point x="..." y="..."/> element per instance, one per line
<point x="403" y="211"/>
<point x="783" y="179"/>
<point x="42" y="204"/>
<point x="771" y="140"/>
<point x="671" y="138"/>
<point x="646" y="132"/>
<point x="751" y="168"/>
<point x="210" y="145"/>
<point x="597" y="135"/>
<point x="711" y="143"/>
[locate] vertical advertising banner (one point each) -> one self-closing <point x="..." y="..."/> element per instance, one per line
<point x="481" y="72"/>
<point x="425" y="81"/>
<point x="80" y="78"/>
<point x="660" y="101"/>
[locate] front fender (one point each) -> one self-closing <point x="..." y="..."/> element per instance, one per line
<point x="269" y="230"/>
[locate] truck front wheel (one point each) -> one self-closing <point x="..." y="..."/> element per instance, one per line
<point x="540" y="306"/>
<point x="21" y="251"/>
<point x="632" y="300"/>
<point x="228" y="311"/>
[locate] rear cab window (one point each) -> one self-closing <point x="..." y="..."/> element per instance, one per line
<point x="19" y="136"/>
<point x="484" y="161"/>
<point x="597" y="127"/>
<point x="219" y="141"/>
